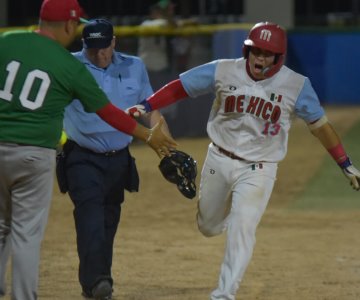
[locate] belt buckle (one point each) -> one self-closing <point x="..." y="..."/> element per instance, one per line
<point x="110" y="153"/>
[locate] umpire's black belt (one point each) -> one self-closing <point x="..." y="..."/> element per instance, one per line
<point x="108" y="153"/>
<point x="228" y="153"/>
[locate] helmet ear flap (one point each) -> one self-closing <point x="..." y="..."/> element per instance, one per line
<point x="279" y="61"/>
<point x="246" y="50"/>
<point x="277" y="58"/>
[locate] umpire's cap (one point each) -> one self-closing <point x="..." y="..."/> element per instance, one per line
<point x="98" y="33"/>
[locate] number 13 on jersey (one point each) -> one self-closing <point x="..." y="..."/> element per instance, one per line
<point x="272" y="129"/>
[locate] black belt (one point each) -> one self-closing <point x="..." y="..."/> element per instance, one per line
<point x="108" y="153"/>
<point x="112" y="152"/>
<point x="228" y="153"/>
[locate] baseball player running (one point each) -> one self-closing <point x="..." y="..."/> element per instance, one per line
<point x="35" y="87"/>
<point x="256" y="98"/>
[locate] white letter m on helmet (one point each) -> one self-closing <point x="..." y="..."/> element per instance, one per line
<point x="265" y="35"/>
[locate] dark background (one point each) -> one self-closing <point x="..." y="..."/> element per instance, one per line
<point x="321" y="18"/>
<point x="123" y="12"/>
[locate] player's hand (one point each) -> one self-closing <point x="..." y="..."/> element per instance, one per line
<point x="138" y="110"/>
<point x="160" y="142"/>
<point x="352" y="174"/>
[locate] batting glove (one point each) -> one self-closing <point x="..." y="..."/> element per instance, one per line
<point x="139" y="109"/>
<point x="351" y="173"/>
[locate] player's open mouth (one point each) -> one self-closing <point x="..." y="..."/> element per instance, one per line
<point x="258" y="67"/>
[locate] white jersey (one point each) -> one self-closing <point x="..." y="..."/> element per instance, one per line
<point x="252" y="118"/>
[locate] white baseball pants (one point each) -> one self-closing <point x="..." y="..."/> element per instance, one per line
<point x="233" y="196"/>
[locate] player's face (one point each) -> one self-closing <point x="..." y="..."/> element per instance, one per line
<point x="101" y="57"/>
<point x="70" y="30"/>
<point x="259" y="60"/>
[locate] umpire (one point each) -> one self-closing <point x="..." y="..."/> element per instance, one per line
<point x="98" y="167"/>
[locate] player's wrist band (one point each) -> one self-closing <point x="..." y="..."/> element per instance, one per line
<point x="345" y="164"/>
<point x="146" y="105"/>
<point x="339" y="155"/>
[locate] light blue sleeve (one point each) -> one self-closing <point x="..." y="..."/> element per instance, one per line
<point x="147" y="90"/>
<point x="199" y="80"/>
<point x="308" y="106"/>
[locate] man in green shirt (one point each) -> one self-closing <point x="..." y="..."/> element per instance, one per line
<point x="36" y="84"/>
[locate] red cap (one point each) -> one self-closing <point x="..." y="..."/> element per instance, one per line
<point x="60" y="10"/>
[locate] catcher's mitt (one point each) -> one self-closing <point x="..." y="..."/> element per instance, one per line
<point x="180" y="168"/>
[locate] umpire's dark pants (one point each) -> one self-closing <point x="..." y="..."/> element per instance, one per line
<point x="96" y="187"/>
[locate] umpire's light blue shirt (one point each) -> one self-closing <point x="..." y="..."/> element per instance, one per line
<point x="126" y="83"/>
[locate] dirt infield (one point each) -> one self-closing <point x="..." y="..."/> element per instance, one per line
<point x="159" y="254"/>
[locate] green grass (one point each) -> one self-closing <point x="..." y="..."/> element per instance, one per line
<point x="329" y="189"/>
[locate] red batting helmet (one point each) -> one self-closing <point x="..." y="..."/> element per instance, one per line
<point x="271" y="37"/>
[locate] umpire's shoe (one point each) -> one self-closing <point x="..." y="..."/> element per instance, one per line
<point x="102" y="290"/>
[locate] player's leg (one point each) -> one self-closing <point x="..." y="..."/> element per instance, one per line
<point x="250" y="197"/>
<point x="214" y="193"/>
<point x="115" y="177"/>
<point x="32" y="189"/>
<point x="5" y="220"/>
<point x="85" y="177"/>
<point x="5" y="242"/>
<point x="4" y="257"/>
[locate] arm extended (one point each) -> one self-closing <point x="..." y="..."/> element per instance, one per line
<point x="328" y="137"/>
<point x="167" y="95"/>
<point x="155" y="137"/>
